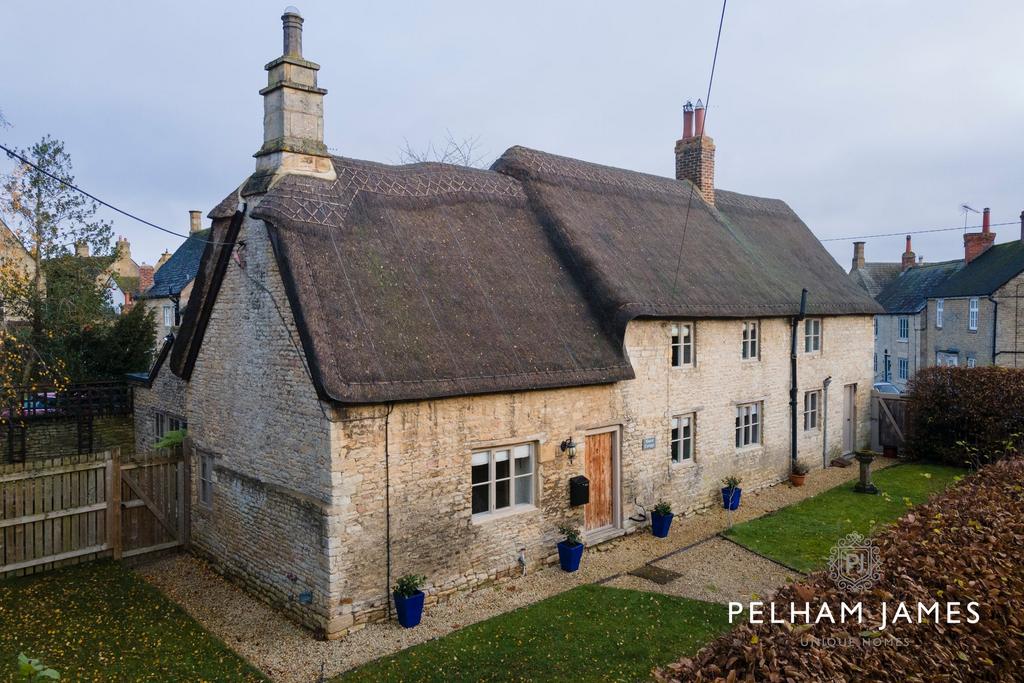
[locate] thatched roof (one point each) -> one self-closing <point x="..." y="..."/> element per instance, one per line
<point x="433" y="280"/>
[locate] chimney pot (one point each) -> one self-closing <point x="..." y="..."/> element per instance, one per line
<point x="698" y="120"/>
<point x="687" y="120"/>
<point x="858" y="255"/>
<point x="292" y="21"/>
<point x="908" y="256"/>
<point x="985" y="225"/>
<point x="195" y="221"/>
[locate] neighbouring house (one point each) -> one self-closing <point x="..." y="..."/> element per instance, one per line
<point x="16" y="261"/>
<point x="399" y="369"/>
<point x="120" y="275"/>
<point x="946" y="313"/>
<point x="171" y="283"/>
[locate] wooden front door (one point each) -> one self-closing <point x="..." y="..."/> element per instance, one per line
<point x="599" y="469"/>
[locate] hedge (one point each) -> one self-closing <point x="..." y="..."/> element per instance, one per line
<point x="962" y="546"/>
<point x="965" y="416"/>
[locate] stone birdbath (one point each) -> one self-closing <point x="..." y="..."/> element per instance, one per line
<point x="865" y="485"/>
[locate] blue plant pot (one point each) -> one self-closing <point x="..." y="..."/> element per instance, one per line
<point x="569" y="556"/>
<point x="660" y="524"/>
<point x="409" y="609"/>
<point x="731" y="498"/>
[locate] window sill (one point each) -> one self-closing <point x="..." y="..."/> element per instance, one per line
<point x="752" y="448"/>
<point x="688" y="366"/>
<point x="485" y="517"/>
<point x="682" y="464"/>
<point x="902" y="341"/>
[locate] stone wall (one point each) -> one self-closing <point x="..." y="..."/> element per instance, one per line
<point x="166" y="396"/>
<point x="429" y="446"/>
<point x="253" y="410"/>
<point x="954" y="334"/>
<point x="1010" y="326"/>
<point x="915" y="349"/>
<point x="54" y="437"/>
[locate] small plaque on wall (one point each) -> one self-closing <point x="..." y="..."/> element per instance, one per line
<point x="649" y="443"/>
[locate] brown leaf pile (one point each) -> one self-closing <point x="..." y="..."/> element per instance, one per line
<point x="967" y="544"/>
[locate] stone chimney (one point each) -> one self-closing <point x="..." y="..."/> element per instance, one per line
<point x="145" y="277"/>
<point x="976" y="243"/>
<point x="293" y="111"/>
<point x="164" y="258"/>
<point x="695" y="153"/>
<point x="124" y="248"/>
<point x="195" y="221"/>
<point x="908" y="255"/>
<point x="858" y="256"/>
<point x="81" y="248"/>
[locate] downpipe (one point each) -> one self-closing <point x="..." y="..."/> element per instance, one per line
<point x="794" y="326"/>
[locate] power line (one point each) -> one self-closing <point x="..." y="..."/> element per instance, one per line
<point x="14" y="155"/>
<point x="704" y="125"/>
<point x="914" y="232"/>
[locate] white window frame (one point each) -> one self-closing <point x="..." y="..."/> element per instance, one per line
<point x="750" y="348"/>
<point x="749" y="425"/>
<point x="944" y="359"/>
<point x="682" y="346"/>
<point x="903" y="328"/>
<point x="903" y="368"/>
<point x="493" y="456"/>
<point x="812" y="410"/>
<point x="972" y="362"/>
<point x="682" y="438"/>
<point x="205" y="478"/>
<point x="940" y="308"/>
<point x="972" y="314"/>
<point x="168" y="313"/>
<point x="812" y="335"/>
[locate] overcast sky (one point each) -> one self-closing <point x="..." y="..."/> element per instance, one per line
<point x="866" y="117"/>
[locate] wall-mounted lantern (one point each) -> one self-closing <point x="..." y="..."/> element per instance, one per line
<point x="569" y="448"/>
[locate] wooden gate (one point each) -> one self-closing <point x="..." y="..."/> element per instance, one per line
<point x="81" y="507"/>
<point x="891" y="419"/>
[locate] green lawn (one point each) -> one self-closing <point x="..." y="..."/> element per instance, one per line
<point x="802" y="535"/>
<point x="102" y="622"/>
<point x="590" y="633"/>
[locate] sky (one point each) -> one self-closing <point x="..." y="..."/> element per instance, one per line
<point x="866" y="117"/>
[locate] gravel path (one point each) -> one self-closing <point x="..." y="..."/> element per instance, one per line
<point x="715" y="571"/>
<point x="289" y="654"/>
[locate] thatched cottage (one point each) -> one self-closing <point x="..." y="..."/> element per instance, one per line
<point x="380" y="365"/>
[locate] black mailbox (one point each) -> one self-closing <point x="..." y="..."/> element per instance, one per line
<point x="579" y="491"/>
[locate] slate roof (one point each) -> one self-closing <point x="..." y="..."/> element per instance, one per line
<point x="910" y="291"/>
<point x="874" y="277"/>
<point x="431" y="280"/>
<point x="179" y="270"/>
<point x="987" y="273"/>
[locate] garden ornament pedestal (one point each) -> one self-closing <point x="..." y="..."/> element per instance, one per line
<point x="865" y="484"/>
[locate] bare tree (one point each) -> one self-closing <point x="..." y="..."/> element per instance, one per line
<point x="460" y="152"/>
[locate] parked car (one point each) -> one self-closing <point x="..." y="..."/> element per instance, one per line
<point x="887" y="388"/>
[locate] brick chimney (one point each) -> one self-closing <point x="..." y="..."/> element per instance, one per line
<point x="293" y="111"/>
<point x="695" y="153"/>
<point x="858" y="256"/>
<point x="908" y="255"/>
<point x="195" y="221"/>
<point x="81" y="248"/>
<point x="976" y="243"/>
<point x="145" y="277"/>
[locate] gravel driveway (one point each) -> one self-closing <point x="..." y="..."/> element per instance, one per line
<point x="288" y="653"/>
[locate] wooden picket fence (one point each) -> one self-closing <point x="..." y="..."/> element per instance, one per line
<point x="75" y="508"/>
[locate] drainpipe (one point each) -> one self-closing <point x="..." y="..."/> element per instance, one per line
<point x="792" y="376"/>
<point x="387" y="510"/>
<point x="824" y="421"/>
<point x="995" y="325"/>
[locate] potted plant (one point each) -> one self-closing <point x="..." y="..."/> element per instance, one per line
<point x="798" y="474"/>
<point x="661" y="519"/>
<point x="409" y="599"/>
<point x="570" y="551"/>
<point x="731" y="493"/>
